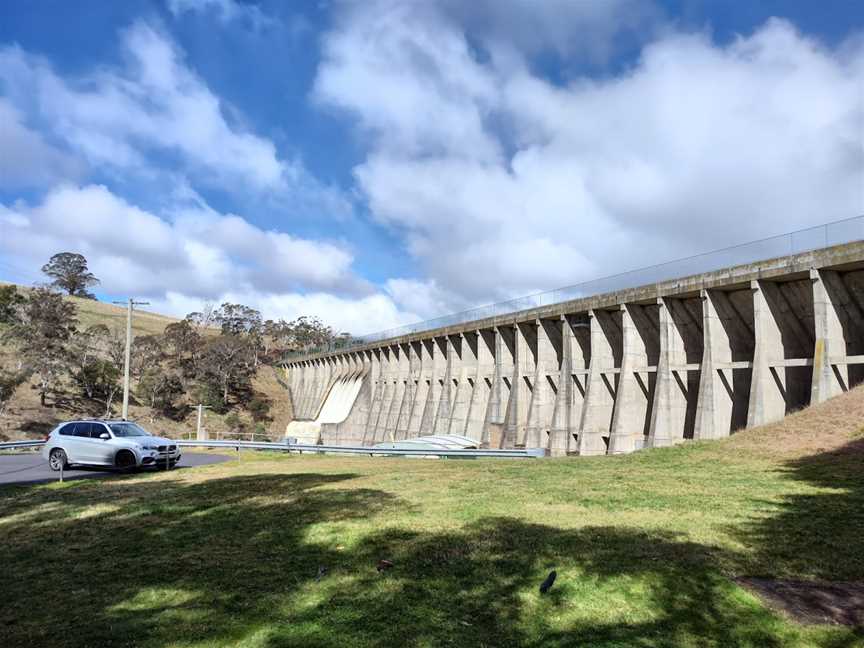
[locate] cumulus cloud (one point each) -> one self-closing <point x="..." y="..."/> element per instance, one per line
<point x="27" y="160"/>
<point x="198" y="251"/>
<point x="226" y="11"/>
<point x="119" y="118"/>
<point x="504" y="182"/>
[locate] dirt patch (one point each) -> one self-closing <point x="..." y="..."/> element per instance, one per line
<point x="811" y="602"/>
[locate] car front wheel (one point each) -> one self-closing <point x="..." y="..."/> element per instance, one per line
<point x="125" y="460"/>
<point x="57" y="459"/>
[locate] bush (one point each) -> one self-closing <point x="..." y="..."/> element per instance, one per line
<point x="259" y="408"/>
<point x="208" y="394"/>
<point x="234" y="423"/>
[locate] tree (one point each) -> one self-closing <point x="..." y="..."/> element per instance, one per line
<point x="69" y="272"/>
<point x="182" y="345"/>
<point x="46" y="323"/>
<point x="160" y="390"/>
<point x="99" y="379"/>
<point x="237" y="319"/>
<point x="148" y="352"/>
<point x="10" y="301"/>
<point x="259" y="408"/>
<point x="224" y="364"/>
<point x="306" y="332"/>
<point x="9" y="382"/>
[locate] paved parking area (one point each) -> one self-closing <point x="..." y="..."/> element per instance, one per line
<point x="30" y="468"/>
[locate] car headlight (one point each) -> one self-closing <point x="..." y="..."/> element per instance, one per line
<point x="148" y="447"/>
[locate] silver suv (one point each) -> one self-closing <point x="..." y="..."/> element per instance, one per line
<point x="118" y="444"/>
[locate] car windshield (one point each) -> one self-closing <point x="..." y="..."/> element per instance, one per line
<point x="128" y="430"/>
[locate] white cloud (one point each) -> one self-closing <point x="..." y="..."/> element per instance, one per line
<point x="199" y="252"/>
<point x="27" y="160"/>
<point x="226" y="11"/>
<point x="119" y="118"/>
<point x="502" y="182"/>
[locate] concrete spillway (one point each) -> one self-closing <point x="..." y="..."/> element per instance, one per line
<point x="341" y="393"/>
<point x="692" y="358"/>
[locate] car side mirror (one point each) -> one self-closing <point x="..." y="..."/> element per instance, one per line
<point x="104" y="436"/>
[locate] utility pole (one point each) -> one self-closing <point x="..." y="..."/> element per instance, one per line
<point x="130" y="303"/>
<point x="199" y="431"/>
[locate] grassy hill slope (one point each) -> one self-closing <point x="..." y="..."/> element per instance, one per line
<point x="26" y="418"/>
<point x="649" y="548"/>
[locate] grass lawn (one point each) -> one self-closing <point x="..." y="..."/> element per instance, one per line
<point x="646" y="548"/>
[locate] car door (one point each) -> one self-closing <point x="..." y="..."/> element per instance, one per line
<point x="71" y="442"/>
<point x="103" y="449"/>
<point x="81" y="444"/>
<point x="89" y="444"/>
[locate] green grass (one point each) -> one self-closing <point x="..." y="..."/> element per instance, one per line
<point x="645" y="546"/>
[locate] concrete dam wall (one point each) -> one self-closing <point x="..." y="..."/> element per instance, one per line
<point x="692" y="358"/>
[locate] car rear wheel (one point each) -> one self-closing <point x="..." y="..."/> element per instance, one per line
<point x="57" y="459"/>
<point x="125" y="460"/>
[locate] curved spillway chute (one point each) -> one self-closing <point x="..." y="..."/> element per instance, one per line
<point x="335" y="408"/>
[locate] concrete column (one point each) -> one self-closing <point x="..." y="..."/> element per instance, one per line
<point x="388" y="371"/>
<point x="601" y="383"/>
<point x="546" y="379"/>
<point x="435" y="380"/>
<point x="768" y="389"/>
<point x="496" y="409"/>
<point x="399" y="378"/>
<point x="409" y="373"/>
<point x="484" y="348"/>
<point x="830" y="378"/>
<point x="514" y="423"/>
<point x="677" y="387"/>
<point x="445" y="399"/>
<point x="634" y="394"/>
<point x="375" y="375"/>
<point x="420" y="371"/>
<point x="559" y="429"/>
<point x="464" y="379"/>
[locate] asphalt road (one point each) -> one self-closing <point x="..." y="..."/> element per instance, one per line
<point x="30" y="468"/>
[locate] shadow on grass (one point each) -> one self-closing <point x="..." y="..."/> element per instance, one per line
<point x="815" y="535"/>
<point x="222" y="563"/>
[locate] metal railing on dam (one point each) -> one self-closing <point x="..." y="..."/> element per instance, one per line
<point x="803" y="240"/>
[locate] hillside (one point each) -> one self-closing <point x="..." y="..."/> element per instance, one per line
<point x="26" y="418"/>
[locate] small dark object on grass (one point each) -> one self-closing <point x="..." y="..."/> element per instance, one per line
<point x="384" y="565"/>
<point x="547" y="584"/>
<point x="321" y="571"/>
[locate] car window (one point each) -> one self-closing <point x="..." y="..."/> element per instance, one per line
<point x="128" y="429"/>
<point x="82" y="430"/>
<point x="96" y="429"/>
<point x="68" y="429"/>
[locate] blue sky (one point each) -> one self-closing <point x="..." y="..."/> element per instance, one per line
<point x="380" y="162"/>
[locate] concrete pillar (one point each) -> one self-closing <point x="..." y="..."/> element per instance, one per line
<point x="475" y="426"/>
<point x="375" y="375"/>
<point x="399" y="378"/>
<point x="447" y="392"/>
<point x="434" y="381"/>
<point x="514" y="426"/>
<point x="634" y="394"/>
<point x="601" y="383"/>
<point x="545" y="379"/>
<point x="388" y="371"/>
<point x="420" y="374"/>
<point x="409" y="373"/>
<point x="677" y="386"/>
<point x="496" y="409"/>
<point x="829" y="296"/>
<point x="559" y="428"/>
<point x="726" y="367"/>
<point x="464" y="376"/>
<point x="768" y="389"/>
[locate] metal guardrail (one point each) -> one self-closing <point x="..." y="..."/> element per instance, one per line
<point x="526" y="453"/>
<point x="14" y="445"/>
